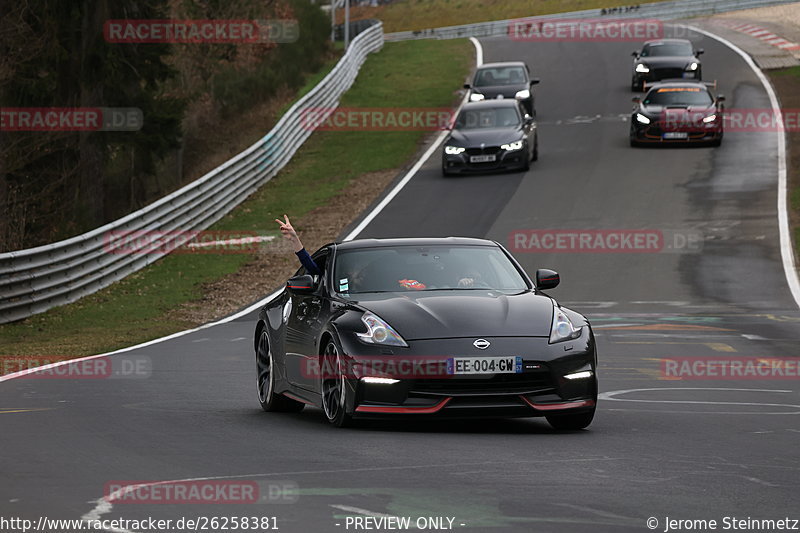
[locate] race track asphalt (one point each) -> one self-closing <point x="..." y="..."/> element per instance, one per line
<point x="683" y="449"/>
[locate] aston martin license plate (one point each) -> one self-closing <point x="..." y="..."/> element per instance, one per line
<point x="484" y="365"/>
<point x="676" y="135"/>
<point x="482" y="158"/>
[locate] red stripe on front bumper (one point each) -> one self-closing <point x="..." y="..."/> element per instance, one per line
<point x="558" y="406"/>
<point x="401" y="410"/>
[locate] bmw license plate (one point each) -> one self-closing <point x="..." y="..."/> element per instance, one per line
<point x="484" y="365"/>
<point x="676" y="135"/>
<point x="482" y="158"/>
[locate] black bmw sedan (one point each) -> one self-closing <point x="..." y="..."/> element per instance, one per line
<point x="510" y="79"/>
<point x="663" y="59"/>
<point x="677" y="112"/>
<point x="489" y="136"/>
<point x="409" y="328"/>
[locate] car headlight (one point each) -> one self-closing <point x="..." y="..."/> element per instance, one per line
<point x="562" y="328"/>
<point x="510" y="147"/>
<point x="523" y="94"/>
<point x="643" y="119"/>
<point x="641" y="67"/>
<point x="692" y="66"/>
<point x="710" y="118"/>
<point x="476" y="97"/>
<point x="453" y="150"/>
<point x="379" y="332"/>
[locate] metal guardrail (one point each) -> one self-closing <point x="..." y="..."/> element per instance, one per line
<point x="36" y="279"/>
<point x="677" y="9"/>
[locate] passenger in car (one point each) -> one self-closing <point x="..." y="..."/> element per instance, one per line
<point x="305" y="258"/>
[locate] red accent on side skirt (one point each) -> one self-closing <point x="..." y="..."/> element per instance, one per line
<point x="402" y="410"/>
<point x="296" y="398"/>
<point x="558" y="406"/>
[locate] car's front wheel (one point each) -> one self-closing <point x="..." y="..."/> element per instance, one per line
<point x="334" y="389"/>
<point x="571" y="422"/>
<point x="267" y="397"/>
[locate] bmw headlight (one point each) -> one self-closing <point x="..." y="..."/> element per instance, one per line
<point x="710" y="118"/>
<point x="641" y="67"/>
<point x="510" y="147"/>
<point x="692" y="66"/>
<point x="453" y="150"/>
<point x="476" y="97"/>
<point x="379" y="332"/>
<point x="643" y="119"/>
<point x="523" y="94"/>
<point x="562" y="328"/>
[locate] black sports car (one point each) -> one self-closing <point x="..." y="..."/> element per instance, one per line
<point x="677" y="112"/>
<point x="446" y="327"/>
<point x="490" y="135"/>
<point x="510" y="79"/>
<point x="663" y="59"/>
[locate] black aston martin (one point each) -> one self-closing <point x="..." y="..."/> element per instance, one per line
<point x="677" y="112"/>
<point x="446" y="327"/>
<point x="663" y="59"/>
<point x="510" y="79"/>
<point x="488" y="136"/>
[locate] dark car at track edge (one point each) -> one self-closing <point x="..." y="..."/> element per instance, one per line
<point x="425" y="328"/>
<point x="662" y="59"/>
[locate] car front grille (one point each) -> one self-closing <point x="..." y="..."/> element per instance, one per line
<point x="483" y="151"/>
<point x="666" y="73"/>
<point x="497" y="384"/>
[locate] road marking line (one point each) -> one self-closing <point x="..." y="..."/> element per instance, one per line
<point x="720" y="347"/>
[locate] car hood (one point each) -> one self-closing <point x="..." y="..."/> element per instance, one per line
<point x="488" y="136"/>
<point x="473" y="313"/>
<point x="668" y="61"/>
<point x="508" y="91"/>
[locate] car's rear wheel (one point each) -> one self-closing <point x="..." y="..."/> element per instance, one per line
<point x="267" y="397"/>
<point x="334" y="391"/>
<point x="571" y="422"/>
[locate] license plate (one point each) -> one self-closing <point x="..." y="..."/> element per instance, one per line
<point x="676" y="135"/>
<point x="484" y="365"/>
<point x="482" y="158"/>
<point x="688" y="74"/>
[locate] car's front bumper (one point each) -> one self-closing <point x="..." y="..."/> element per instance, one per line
<point x="656" y="134"/>
<point x="659" y="74"/>
<point x="504" y="160"/>
<point x="423" y="390"/>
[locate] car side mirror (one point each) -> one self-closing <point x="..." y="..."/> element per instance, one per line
<point x="635" y="53"/>
<point x="535" y="81"/>
<point x="699" y="51"/>
<point x="720" y="98"/>
<point x="301" y="284"/>
<point x="636" y="99"/>
<point x="527" y="119"/>
<point x="546" y="279"/>
<point x="467" y="86"/>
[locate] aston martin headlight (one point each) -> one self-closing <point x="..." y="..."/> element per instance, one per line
<point x="643" y="119"/>
<point x="510" y="147"/>
<point x="523" y="94"/>
<point x="476" y="97"/>
<point x="710" y="118"/>
<point x="562" y="328"/>
<point x="379" y="332"/>
<point x="692" y="66"/>
<point x="641" y="67"/>
<point x="453" y="150"/>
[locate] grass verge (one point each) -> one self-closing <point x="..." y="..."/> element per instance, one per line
<point x="144" y="305"/>
<point x="424" y="14"/>
<point x="787" y="85"/>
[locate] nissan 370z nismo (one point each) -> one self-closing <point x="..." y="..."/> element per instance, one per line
<point x="411" y="328"/>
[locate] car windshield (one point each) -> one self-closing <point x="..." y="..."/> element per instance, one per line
<point x="425" y="268"/>
<point x="488" y="77"/>
<point x="491" y="117"/>
<point x="667" y="49"/>
<point x="667" y="96"/>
